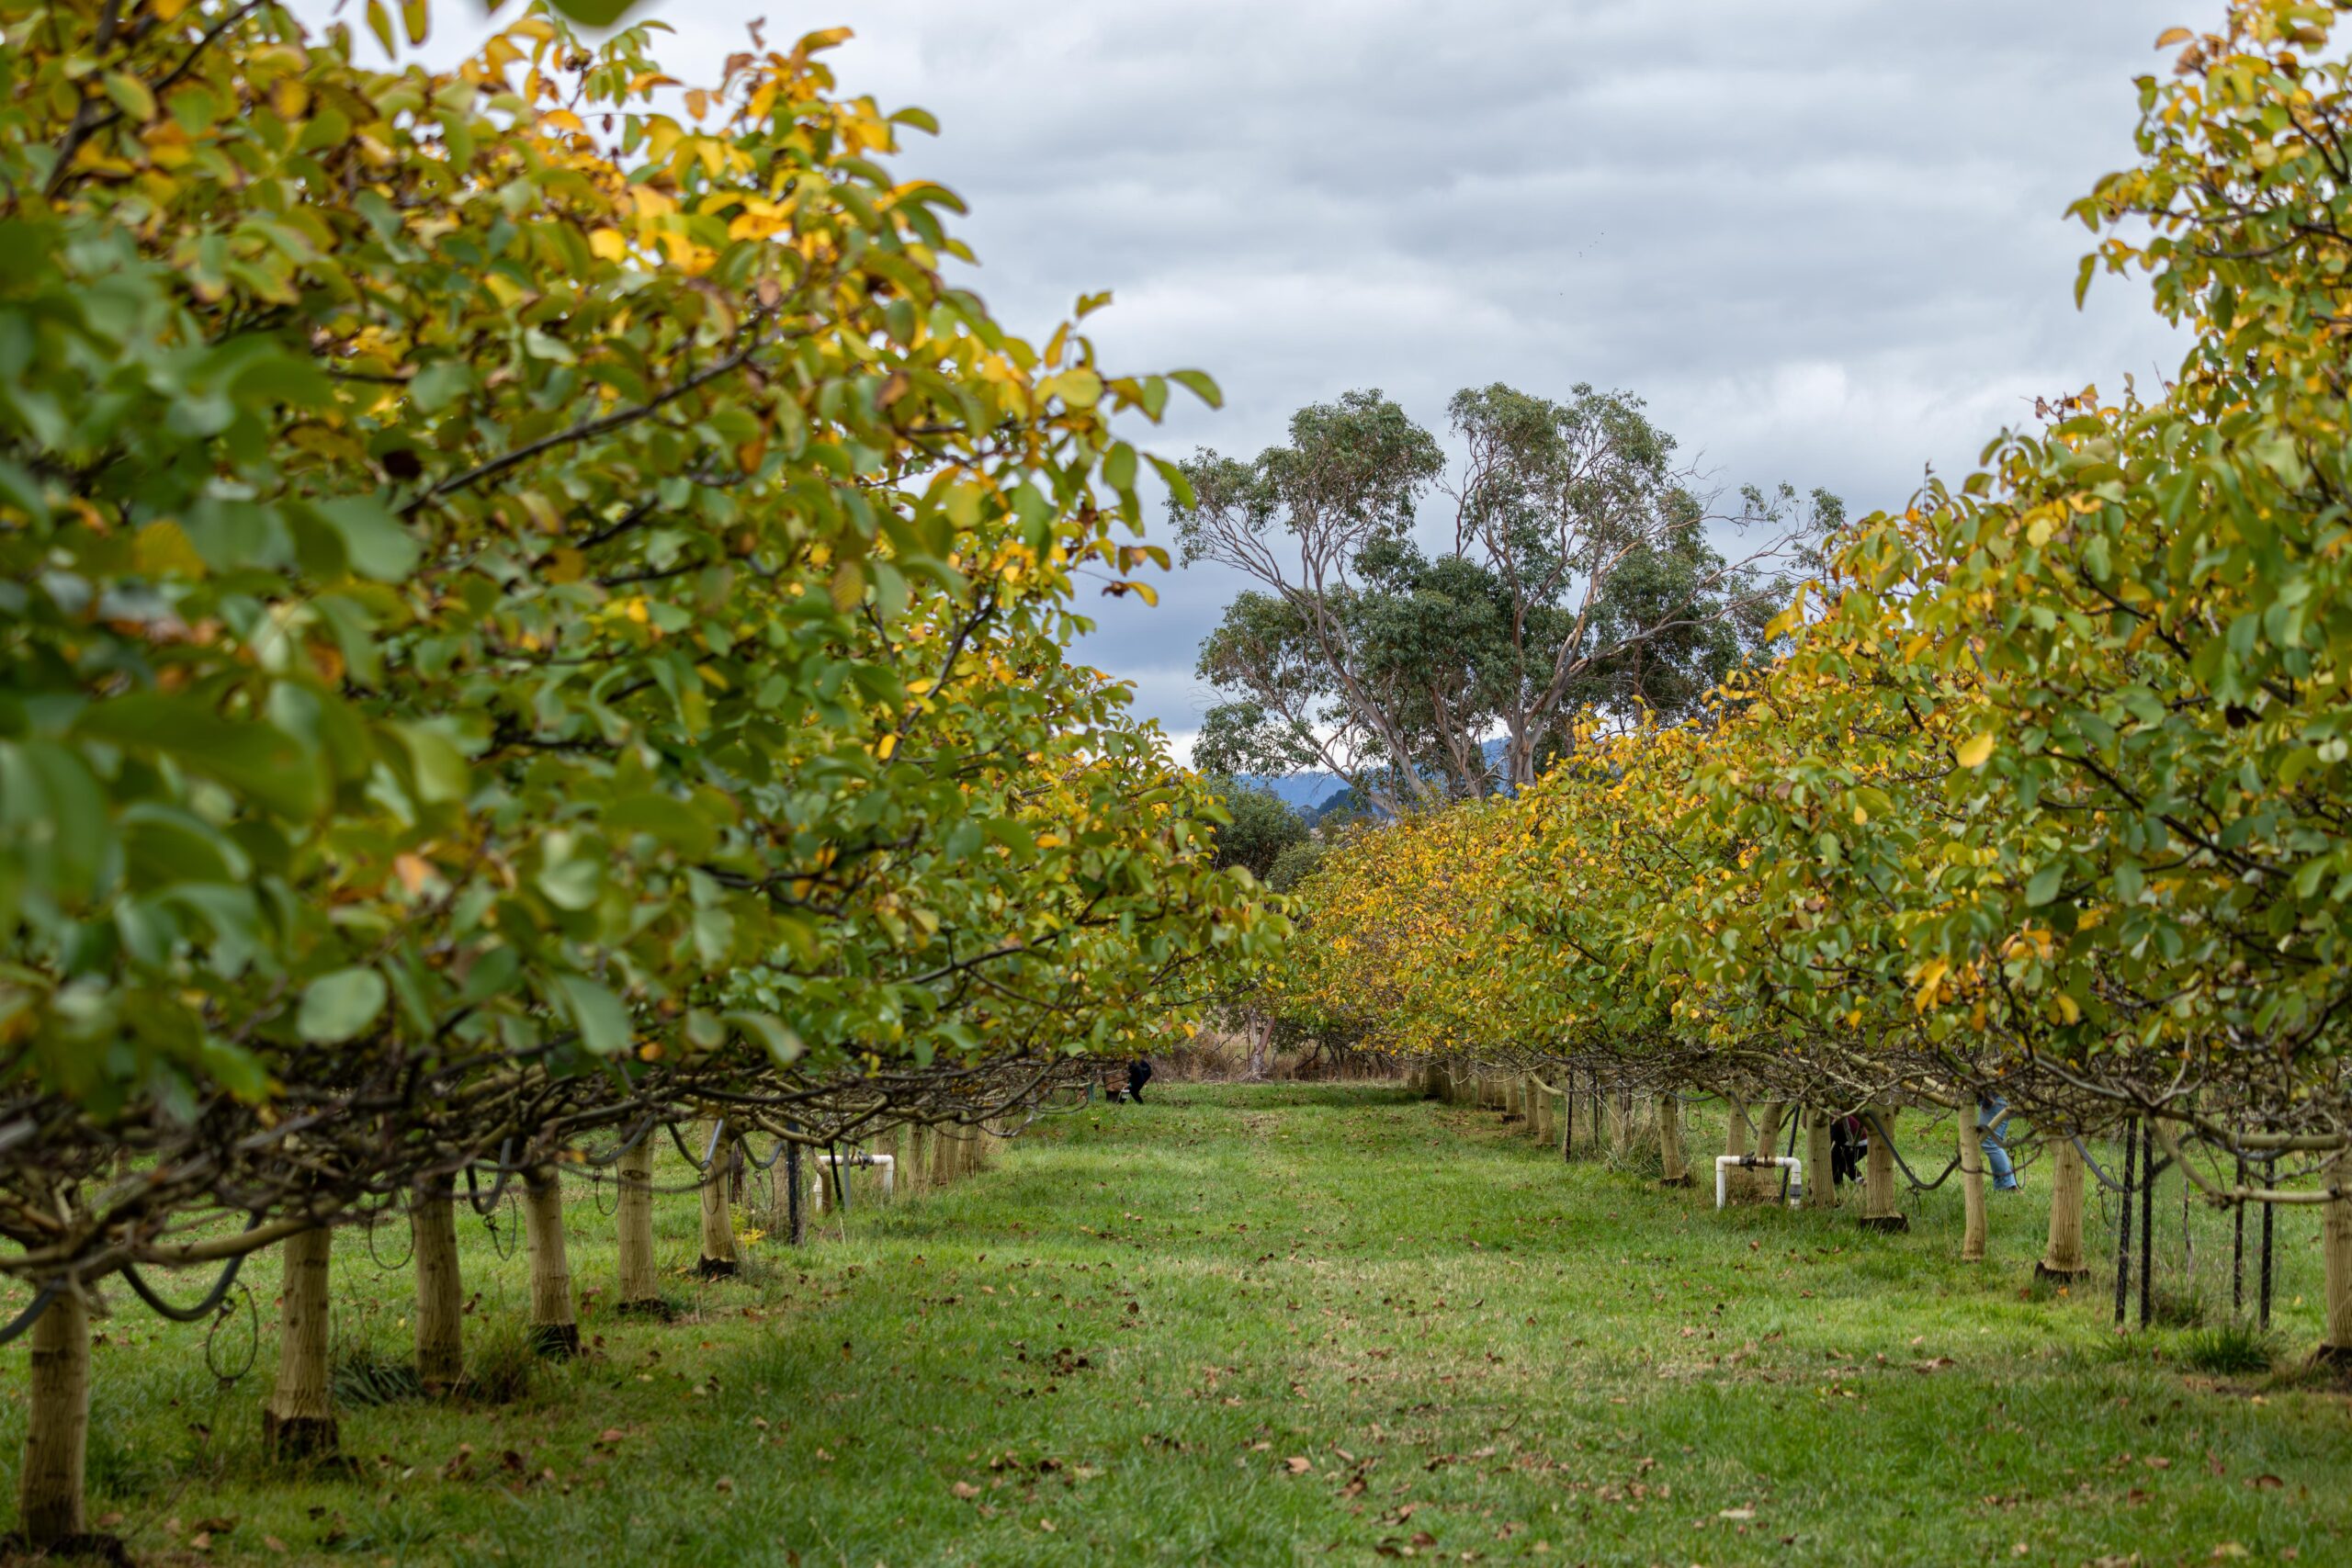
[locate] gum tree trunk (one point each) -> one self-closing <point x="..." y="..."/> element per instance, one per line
<point x="1672" y="1171"/>
<point x="298" y="1421"/>
<point x="555" y="1331"/>
<point x="1974" y="1230"/>
<point x="440" y="1289"/>
<point x="2064" y="1260"/>
<point x="1880" y="1209"/>
<point x="717" y="1261"/>
<point x="1820" y="1186"/>
<point x="57" y="1434"/>
<point x="641" y="1290"/>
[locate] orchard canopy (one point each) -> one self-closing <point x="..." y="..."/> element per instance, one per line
<point x="2042" y="791"/>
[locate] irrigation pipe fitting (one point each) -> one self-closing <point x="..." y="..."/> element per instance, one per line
<point x="887" y="1164"/>
<point x="1790" y="1162"/>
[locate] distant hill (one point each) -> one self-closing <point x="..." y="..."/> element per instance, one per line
<point x="1302" y="793"/>
<point x="1307" y="793"/>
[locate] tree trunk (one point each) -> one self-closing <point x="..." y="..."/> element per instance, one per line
<point x="1971" y="1188"/>
<point x="2063" y="1258"/>
<point x="1820" y="1184"/>
<point x="640" y="1288"/>
<point x="440" y="1288"/>
<point x="717" y="1261"/>
<point x="1764" y="1183"/>
<point x="1619" y="1134"/>
<point x="1736" y="1133"/>
<point x="2335" y="1252"/>
<point x="298" y="1421"/>
<point x="48" y="1490"/>
<point x="1880" y="1209"/>
<point x="555" y="1329"/>
<point x="1673" y="1172"/>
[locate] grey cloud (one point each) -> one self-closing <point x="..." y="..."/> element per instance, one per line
<point x="1824" y="238"/>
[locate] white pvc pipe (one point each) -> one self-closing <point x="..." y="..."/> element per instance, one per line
<point x="887" y="1164"/>
<point x="1794" y="1166"/>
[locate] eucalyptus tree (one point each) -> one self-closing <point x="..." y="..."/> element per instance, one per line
<point x="1581" y="570"/>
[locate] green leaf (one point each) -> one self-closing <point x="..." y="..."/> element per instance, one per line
<point x="782" y="1045"/>
<point x="1198" y="383"/>
<point x="379" y="22"/>
<point x="338" y="1006"/>
<point x="595" y="13"/>
<point x="602" y="1020"/>
<point x="2045" y="885"/>
<point x="373" y="539"/>
<point x="439" y="384"/>
<point x="1119" y="467"/>
<point x="258" y="761"/>
<point x="130" y="96"/>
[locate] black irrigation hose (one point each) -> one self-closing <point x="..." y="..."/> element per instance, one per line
<point x="505" y="1174"/>
<point x="376" y="1257"/>
<point x="164" y="1309"/>
<point x="2131" y="1183"/>
<point x="1908" y="1174"/>
<point x="252" y="1344"/>
<point x="613" y="1156"/>
<point x="203" y="1308"/>
<point x="24" y="1320"/>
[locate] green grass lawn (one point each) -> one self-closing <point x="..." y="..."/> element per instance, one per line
<point x="1266" y="1326"/>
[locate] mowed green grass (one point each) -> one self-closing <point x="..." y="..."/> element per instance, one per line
<point x="1275" y="1324"/>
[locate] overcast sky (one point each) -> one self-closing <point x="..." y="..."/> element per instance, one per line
<point x="1822" y="238"/>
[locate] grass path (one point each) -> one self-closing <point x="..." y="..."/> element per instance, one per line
<point x="1269" y="1326"/>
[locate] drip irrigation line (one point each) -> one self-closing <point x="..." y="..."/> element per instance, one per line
<point x="1909" y="1175"/>
<point x="253" y="1341"/>
<point x="505" y="1173"/>
<point x="623" y="1147"/>
<point x="2131" y="1182"/>
<point x="32" y="1314"/>
<point x="164" y="1309"/>
<point x="376" y="1257"/>
<point x="204" y="1308"/>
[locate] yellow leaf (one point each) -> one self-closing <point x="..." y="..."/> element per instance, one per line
<point x="1976" y="752"/>
<point x="849" y="586"/>
<point x="609" y="245"/>
<point x="888" y="744"/>
<point x="2171" y="36"/>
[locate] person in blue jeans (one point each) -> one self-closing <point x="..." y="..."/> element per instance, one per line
<point x="1992" y="1112"/>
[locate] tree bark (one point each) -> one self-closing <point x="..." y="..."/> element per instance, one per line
<point x="440" y="1288"/>
<point x="1673" y="1172"/>
<point x="1973" y="1228"/>
<point x="1820" y="1183"/>
<point x="298" y="1421"/>
<point x="1880" y="1209"/>
<point x="2063" y="1260"/>
<point x="718" y="1259"/>
<point x="555" y="1327"/>
<point x="2336" y="1253"/>
<point x="1738" y="1188"/>
<point x="49" y="1511"/>
<point x="640" y="1286"/>
<point x="1764" y="1183"/>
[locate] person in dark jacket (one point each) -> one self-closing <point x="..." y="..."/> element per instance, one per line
<point x="1139" y="1074"/>
<point x="1848" y="1142"/>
